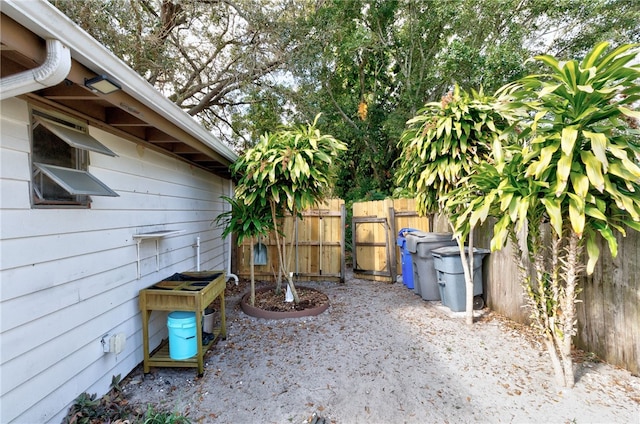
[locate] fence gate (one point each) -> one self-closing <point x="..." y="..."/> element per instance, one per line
<point x="375" y="227"/>
<point x="371" y="254"/>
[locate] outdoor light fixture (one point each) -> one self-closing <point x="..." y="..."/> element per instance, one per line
<point x="103" y="84"/>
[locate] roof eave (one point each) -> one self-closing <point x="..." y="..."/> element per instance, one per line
<point x="46" y="21"/>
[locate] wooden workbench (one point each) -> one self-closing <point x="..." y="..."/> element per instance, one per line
<point x="202" y="288"/>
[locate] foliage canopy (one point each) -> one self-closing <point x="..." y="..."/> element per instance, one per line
<point x="243" y="67"/>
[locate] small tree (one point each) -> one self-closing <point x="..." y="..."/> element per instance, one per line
<point x="246" y="222"/>
<point x="442" y="144"/>
<point x="578" y="170"/>
<point x="288" y="171"/>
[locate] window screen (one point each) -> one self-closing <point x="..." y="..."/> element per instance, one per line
<point x="75" y="181"/>
<point x="75" y="138"/>
<point x="60" y="157"/>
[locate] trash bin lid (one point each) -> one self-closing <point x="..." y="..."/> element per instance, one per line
<point x="401" y="240"/>
<point x="455" y="251"/>
<point x="403" y="232"/>
<point x="417" y="237"/>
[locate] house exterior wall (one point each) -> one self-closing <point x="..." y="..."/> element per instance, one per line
<point x="69" y="276"/>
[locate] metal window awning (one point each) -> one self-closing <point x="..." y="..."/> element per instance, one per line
<point x="75" y="138"/>
<point x="76" y="182"/>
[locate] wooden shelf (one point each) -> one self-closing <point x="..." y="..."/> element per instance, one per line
<point x="161" y="358"/>
<point x="153" y="235"/>
<point x="195" y="294"/>
<point x="157" y="234"/>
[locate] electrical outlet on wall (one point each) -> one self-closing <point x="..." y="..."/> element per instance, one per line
<point x="113" y="343"/>
<point x="117" y="342"/>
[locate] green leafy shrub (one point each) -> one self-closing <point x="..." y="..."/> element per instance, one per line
<point x="114" y="408"/>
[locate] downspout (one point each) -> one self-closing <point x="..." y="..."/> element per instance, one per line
<point x="53" y="71"/>
<point x="230" y="240"/>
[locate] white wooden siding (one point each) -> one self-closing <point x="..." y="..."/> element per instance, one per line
<point x="69" y="276"/>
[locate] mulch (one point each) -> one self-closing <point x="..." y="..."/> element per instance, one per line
<point x="270" y="300"/>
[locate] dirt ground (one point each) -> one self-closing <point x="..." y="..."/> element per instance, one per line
<point x="380" y="354"/>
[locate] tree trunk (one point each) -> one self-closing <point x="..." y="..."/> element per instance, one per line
<point x="543" y="292"/>
<point x="467" y="268"/>
<point x="253" y="274"/>
<point x="289" y="256"/>
<point x="469" y="280"/>
<point x="572" y="269"/>
<point x="296" y="298"/>
<point x="285" y="258"/>
<point x="278" y="245"/>
<point x="555" y="360"/>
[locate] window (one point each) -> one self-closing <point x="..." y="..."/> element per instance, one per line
<point x="60" y="159"/>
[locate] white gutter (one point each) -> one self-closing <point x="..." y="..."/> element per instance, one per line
<point x="53" y="71"/>
<point x="46" y="21"/>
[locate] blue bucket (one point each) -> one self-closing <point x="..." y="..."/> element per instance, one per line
<point x="182" y="334"/>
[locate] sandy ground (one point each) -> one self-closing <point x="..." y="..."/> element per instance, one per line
<point x="380" y="354"/>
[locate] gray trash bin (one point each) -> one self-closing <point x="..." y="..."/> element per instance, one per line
<point x="450" y="276"/>
<point x="420" y="244"/>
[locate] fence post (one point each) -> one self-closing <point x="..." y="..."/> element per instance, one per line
<point x="343" y="250"/>
<point x="392" y="244"/>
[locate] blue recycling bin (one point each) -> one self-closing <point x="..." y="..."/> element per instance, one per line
<point x="405" y="256"/>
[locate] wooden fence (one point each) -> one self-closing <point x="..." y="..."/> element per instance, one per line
<point x="319" y="248"/>
<point x="609" y="315"/>
<point x="609" y="307"/>
<point x="375" y="227"/>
